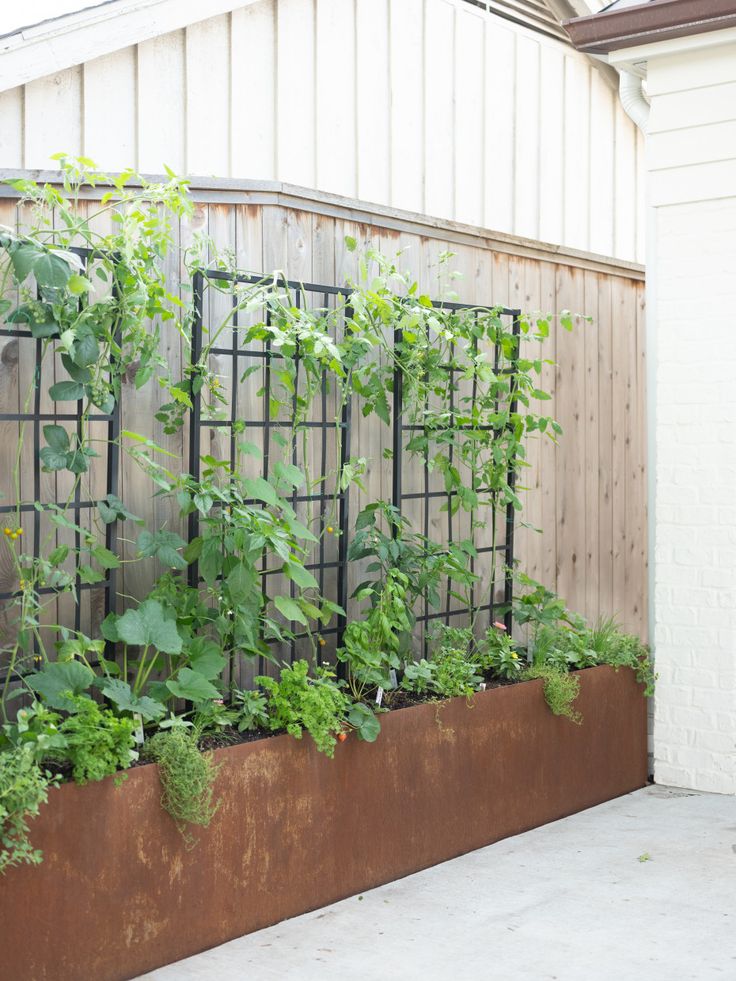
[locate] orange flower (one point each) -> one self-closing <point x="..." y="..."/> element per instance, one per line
<point x="498" y="625"/>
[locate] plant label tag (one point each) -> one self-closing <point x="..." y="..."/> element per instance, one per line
<point x="379" y="696"/>
<point x="482" y="686"/>
<point x="138" y="731"/>
<point x="394" y="679"/>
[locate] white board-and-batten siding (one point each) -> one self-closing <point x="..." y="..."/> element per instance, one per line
<point x="433" y="106"/>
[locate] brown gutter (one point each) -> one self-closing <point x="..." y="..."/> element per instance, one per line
<point x="647" y="22"/>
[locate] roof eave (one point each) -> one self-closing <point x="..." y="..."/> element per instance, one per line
<point x="661" y="20"/>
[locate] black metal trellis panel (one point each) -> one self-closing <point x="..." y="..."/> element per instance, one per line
<point x="325" y="425"/>
<point x="400" y="427"/>
<point x="36" y="418"/>
<point x="268" y="356"/>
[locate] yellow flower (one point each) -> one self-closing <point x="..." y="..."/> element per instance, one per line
<point x="515" y="655"/>
<point x="7" y="531"/>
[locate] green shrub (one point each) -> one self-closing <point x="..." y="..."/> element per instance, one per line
<point x="23" y="788"/>
<point x="297" y="702"/>
<point x="560" y="691"/>
<point x="187" y="777"/>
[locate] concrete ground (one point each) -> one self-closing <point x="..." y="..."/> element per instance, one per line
<point x="643" y="887"/>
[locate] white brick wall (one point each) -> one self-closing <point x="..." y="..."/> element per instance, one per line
<point x="692" y="282"/>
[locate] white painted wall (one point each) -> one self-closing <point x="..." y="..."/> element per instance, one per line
<point x="691" y="276"/>
<point x="427" y="105"/>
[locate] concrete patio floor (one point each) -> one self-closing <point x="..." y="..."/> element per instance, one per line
<point x="640" y="887"/>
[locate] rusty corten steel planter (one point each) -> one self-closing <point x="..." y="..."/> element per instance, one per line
<point x="119" y="894"/>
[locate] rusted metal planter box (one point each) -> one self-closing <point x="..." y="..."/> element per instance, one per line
<point x="119" y="894"/>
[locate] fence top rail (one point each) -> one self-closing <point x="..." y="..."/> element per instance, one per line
<point x="234" y="191"/>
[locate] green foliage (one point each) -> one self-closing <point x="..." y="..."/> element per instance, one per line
<point x="627" y="651"/>
<point x="445" y="638"/>
<point x="99" y="324"/>
<point x="455" y="675"/>
<point x="24" y="787"/>
<point x="447" y="675"/>
<point x="538" y="606"/>
<point x="187" y="778"/>
<point x="560" y="691"/>
<point x="498" y="656"/>
<point x="297" y="702"/>
<point x="251" y="710"/>
<point x="425" y="564"/>
<point x="96" y="742"/>
<point x="363" y="720"/>
<point x="60" y="682"/>
<point x="371" y="646"/>
<point x="35" y="729"/>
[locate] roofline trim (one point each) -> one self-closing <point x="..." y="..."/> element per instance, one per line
<point x="80" y="36"/>
<point x="645" y="23"/>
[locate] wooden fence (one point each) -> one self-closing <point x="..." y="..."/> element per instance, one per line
<point x="583" y="529"/>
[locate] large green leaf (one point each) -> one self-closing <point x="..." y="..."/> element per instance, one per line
<point x="301" y="576"/>
<point x="261" y="490"/>
<point x="242" y="582"/>
<point x="24" y="257"/>
<point x="120" y="694"/>
<point x="111" y="509"/>
<point x="287" y="473"/>
<point x="66" y="391"/>
<point x="86" y="349"/>
<point x="192" y="686"/>
<point x="59" y="680"/>
<point x="290" y="609"/>
<point x="206" y="658"/>
<point x="149" y="625"/>
<point x="365" y="722"/>
<point x="55" y="456"/>
<point x="163" y="545"/>
<point x="52" y="271"/>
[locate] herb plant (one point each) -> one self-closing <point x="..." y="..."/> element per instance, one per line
<point x="298" y="702"/>
<point x="187" y="778"/>
<point x="24" y="788"/>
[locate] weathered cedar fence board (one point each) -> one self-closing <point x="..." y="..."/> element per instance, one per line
<point x="587" y="494"/>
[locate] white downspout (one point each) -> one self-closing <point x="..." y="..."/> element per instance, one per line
<point x="633" y="100"/>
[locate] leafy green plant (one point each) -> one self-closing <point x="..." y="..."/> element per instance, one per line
<point x="537" y="607"/>
<point x="96" y="742"/>
<point x="371" y="646"/>
<point x="560" y="691"/>
<point x="24" y="788"/>
<point x="445" y="638"/>
<point x="448" y="674"/>
<point x="298" y="702"/>
<point x="497" y="654"/>
<point x="187" y="777"/>
<point x="622" y="650"/>
<point x="96" y="323"/>
<point x="455" y="675"/>
<point x="424" y="563"/>
<point x="251" y="710"/>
